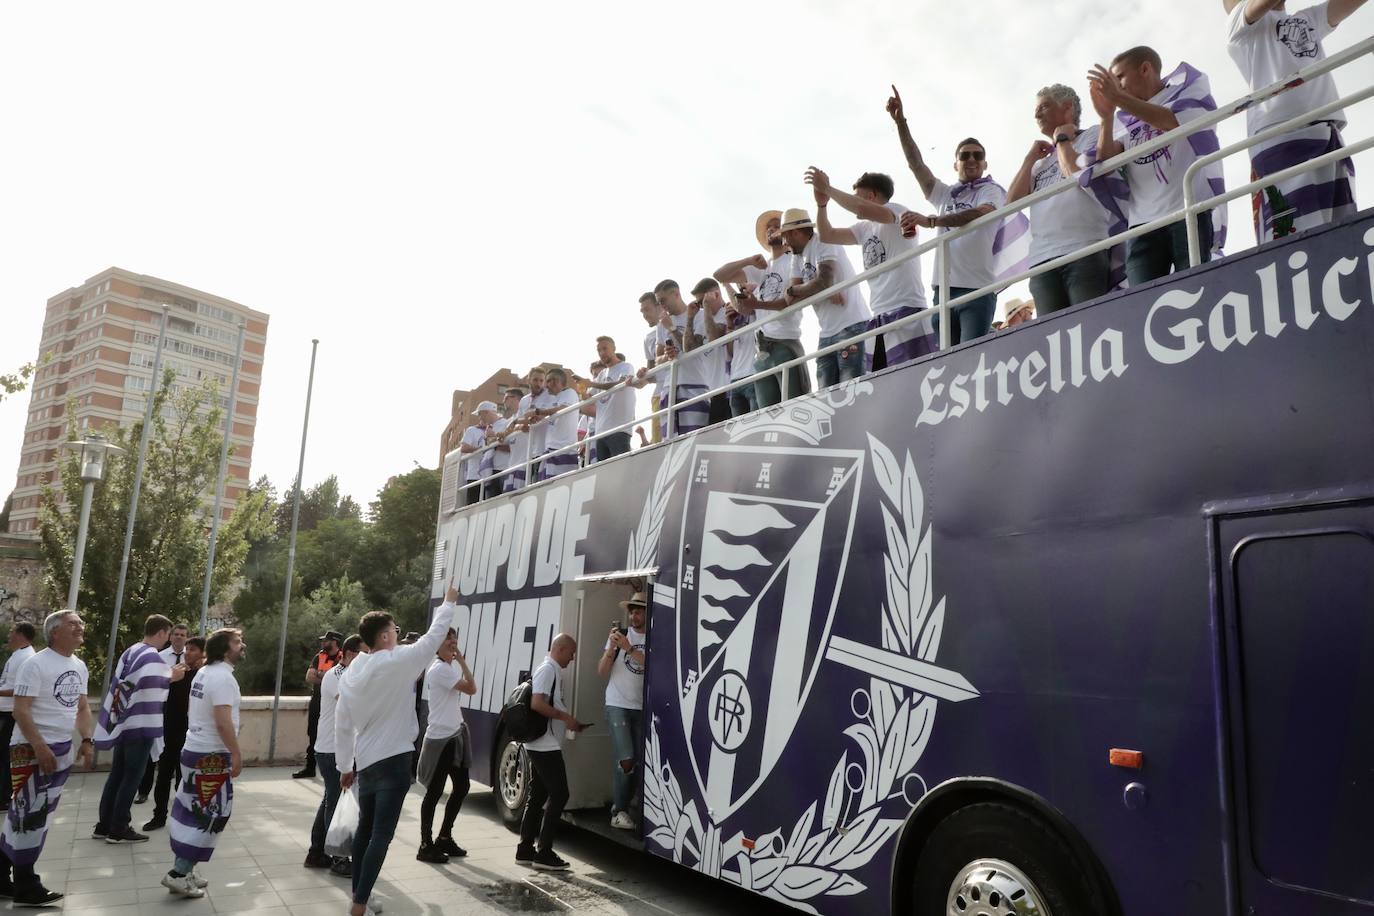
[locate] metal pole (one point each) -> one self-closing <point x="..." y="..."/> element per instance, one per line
<point x="942" y="252"/>
<point x="291" y="556"/>
<point x="86" y="492"/>
<point x="219" y="488"/>
<point x="133" y="501"/>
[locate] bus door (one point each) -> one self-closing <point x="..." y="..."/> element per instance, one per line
<point x="1296" y="588"/>
<point x="590" y="606"/>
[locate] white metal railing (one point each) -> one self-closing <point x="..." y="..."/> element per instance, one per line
<point x="940" y="244"/>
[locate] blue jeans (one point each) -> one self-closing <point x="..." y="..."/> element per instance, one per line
<point x="329" y="769"/>
<point x="1083" y="280"/>
<point x="972" y="319"/>
<point x="768" y="390"/>
<point x="842" y="365"/>
<point x="627" y="736"/>
<point x="126" y="772"/>
<point x="743" y="400"/>
<point x="1159" y="253"/>
<point x="382" y="789"/>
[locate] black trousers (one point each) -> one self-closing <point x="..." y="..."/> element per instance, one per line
<point x="312" y="729"/>
<point x="168" y="772"/>
<point x="444" y="771"/>
<point x="548" y="796"/>
<point x="6" y="732"/>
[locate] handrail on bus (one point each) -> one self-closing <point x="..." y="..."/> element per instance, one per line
<point x="941" y="242"/>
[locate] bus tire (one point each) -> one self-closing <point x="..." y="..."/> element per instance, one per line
<point x="512" y="769"/>
<point x="995" y="858"/>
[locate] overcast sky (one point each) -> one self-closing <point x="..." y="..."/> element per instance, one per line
<point x="438" y="190"/>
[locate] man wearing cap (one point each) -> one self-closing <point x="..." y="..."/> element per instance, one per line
<point x="760" y="283"/>
<point x="622" y="663"/>
<point x="896" y="293"/>
<point x="326" y="658"/>
<point x="474" y="440"/>
<point x="817" y="266"/>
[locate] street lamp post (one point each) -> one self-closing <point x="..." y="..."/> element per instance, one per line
<point x="93" y="450"/>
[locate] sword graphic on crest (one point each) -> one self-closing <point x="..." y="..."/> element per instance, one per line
<point x="899" y="669"/>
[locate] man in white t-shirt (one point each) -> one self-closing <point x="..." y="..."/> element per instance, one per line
<point x="652" y="312"/>
<point x="548" y="776"/>
<point x="1137" y="104"/>
<point x="1071" y="219"/>
<point x="759" y="294"/>
<point x="561" y="430"/>
<point x="21" y="650"/>
<point x="895" y="294"/>
<point x="446" y="754"/>
<point x="474" y="442"/>
<point x="686" y="329"/>
<point x="50" y="703"/>
<point x="706" y="293"/>
<point x="622" y="665"/>
<point x="1270" y="45"/>
<point x="501" y="434"/>
<point x="616" y="408"/>
<point x="817" y="266"/>
<point x="210" y="762"/>
<point x="325" y="745"/>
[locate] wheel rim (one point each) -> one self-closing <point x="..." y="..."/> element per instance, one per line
<point x="512" y="776"/>
<point x="992" y="887"/>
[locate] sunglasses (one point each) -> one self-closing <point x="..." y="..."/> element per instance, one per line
<point x="967" y="154"/>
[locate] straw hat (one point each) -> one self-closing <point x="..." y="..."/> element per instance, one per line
<point x="761" y="227"/>
<point x="636" y="600"/>
<point x="796" y="218"/>
<point x="1012" y="306"/>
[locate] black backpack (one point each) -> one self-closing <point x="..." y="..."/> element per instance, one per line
<point x="522" y="722"/>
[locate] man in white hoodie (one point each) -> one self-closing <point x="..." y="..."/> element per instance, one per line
<point x="374" y="744"/>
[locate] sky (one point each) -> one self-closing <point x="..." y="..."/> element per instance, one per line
<point x="440" y="190"/>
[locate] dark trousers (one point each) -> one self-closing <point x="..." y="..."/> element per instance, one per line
<point x="126" y="771"/>
<point x="145" y="785"/>
<point x="382" y="791"/>
<point x="1160" y="253"/>
<point x="612" y="445"/>
<point x="720" y="407"/>
<point x="444" y="771"/>
<point x="972" y="319"/>
<point x="473" y="495"/>
<point x="768" y="390"/>
<point x="329" y="771"/>
<point x="743" y="400"/>
<point x="1082" y="281"/>
<point x="6" y="732"/>
<point x="168" y="774"/>
<point x="548" y="795"/>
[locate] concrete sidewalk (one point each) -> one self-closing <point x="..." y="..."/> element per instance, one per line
<point x="257" y="865"/>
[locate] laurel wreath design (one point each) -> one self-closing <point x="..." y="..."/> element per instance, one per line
<point x="868" y="782"/>
<point x="643" y="550"/>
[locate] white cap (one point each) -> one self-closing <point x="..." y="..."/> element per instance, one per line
<point x="487" y="405"/>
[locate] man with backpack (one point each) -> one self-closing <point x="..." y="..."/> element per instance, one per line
<point x="548" y="776"/>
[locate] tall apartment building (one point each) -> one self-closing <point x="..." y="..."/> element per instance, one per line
<point x="96" y="356"/>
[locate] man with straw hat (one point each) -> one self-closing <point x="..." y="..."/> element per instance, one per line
<point x="622" y="664"/>
<point x="817" y="266"/>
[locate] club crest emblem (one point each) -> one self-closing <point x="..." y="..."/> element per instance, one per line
<point x="212" y="773"/>
<point x="1297" y="36"/>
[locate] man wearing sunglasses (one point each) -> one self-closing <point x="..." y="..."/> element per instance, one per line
<point x="973" y="195"/>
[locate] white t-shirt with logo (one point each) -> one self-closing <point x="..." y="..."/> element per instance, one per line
<point x="744" y="349"/>
<point x="834" y="317"/>
<point x="10" y="674"/>
<point x="538" y="433"/>
<point x="1071" y="219"/>
<point x="475" y="436"/>
<point x="563" y="429"/>
<point x="445" y="713"/>
<point x="698" y="370"/>
<point x="625" y="688"/>
<point x="900" y="287"/>
<point x="547" y="680"/>
<point x="1156" y="179"/>
<point x="1272" y="49"/>
<point x="614" y="409"/>
<point x="329" y="702"/>
<point x="970" y="256"/>
<point x="57" y="683"/>
<point x="500" y="460"/>
<point x="718" y="360"/>
<point x="213" y="686"/>
<point x="770" y="286"/>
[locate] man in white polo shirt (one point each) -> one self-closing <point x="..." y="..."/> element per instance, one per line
<point x="817" y="266"/>
<point x="613" y="410"/>
<point x="375" y="737"/>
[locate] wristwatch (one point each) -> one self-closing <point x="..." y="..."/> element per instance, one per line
<point x="90" y="741"/>
<point x="1062" y="138"/>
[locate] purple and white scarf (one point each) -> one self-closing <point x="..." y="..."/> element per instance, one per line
<point x="33" y="801"/>
<point x="204" y="802"/>
<point x="553" y="465"/>
<point x="132" y="710"/>
<point x="1313" y="198"/>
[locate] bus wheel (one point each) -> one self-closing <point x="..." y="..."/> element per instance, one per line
<point x="992" y="859"/>
<point x="512" y="781"/>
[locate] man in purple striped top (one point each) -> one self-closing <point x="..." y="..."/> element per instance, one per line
<point x="131" y="724"/>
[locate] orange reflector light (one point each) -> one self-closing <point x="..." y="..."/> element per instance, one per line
<point x="1131" y="760"/>
<point x="747" y="844"/>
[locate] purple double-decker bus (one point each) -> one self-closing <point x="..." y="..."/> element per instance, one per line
<point x="1074" y="619"/>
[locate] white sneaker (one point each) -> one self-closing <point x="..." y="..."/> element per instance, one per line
<point x="623" y="821"/>
<point x="374" y="903"/>
<point x="185" y="886"/>
<point x="199" y="880"/>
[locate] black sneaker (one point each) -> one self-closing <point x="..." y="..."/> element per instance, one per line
<point x="343" y="867"/>
<point x="35" y="895"/>
<point x="156" y="822"/>
<point x="307" y="773"/>
<point x="99" y="833"/>
<point x="127" y="835"/>
<point x="141" y="799"/>
<point x="317" y="860"/>
<point x="548" y="860"/>
<point x="449" y="848"/>
<point x="524" y="854"/>
<point x="431" y="855"/>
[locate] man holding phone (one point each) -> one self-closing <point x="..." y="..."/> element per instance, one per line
<point x="548" y="775"/>
<point x="622" y="663"/>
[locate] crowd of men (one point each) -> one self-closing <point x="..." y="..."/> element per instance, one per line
<point x="1135" y="101"/>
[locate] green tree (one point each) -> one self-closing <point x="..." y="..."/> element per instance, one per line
<point x="168" y="555"/>
<point x="15" y="382"/>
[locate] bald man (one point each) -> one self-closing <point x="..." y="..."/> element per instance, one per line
<point x="549" y="778"/>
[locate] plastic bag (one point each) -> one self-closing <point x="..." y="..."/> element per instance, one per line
<point x="338" y="841"/>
